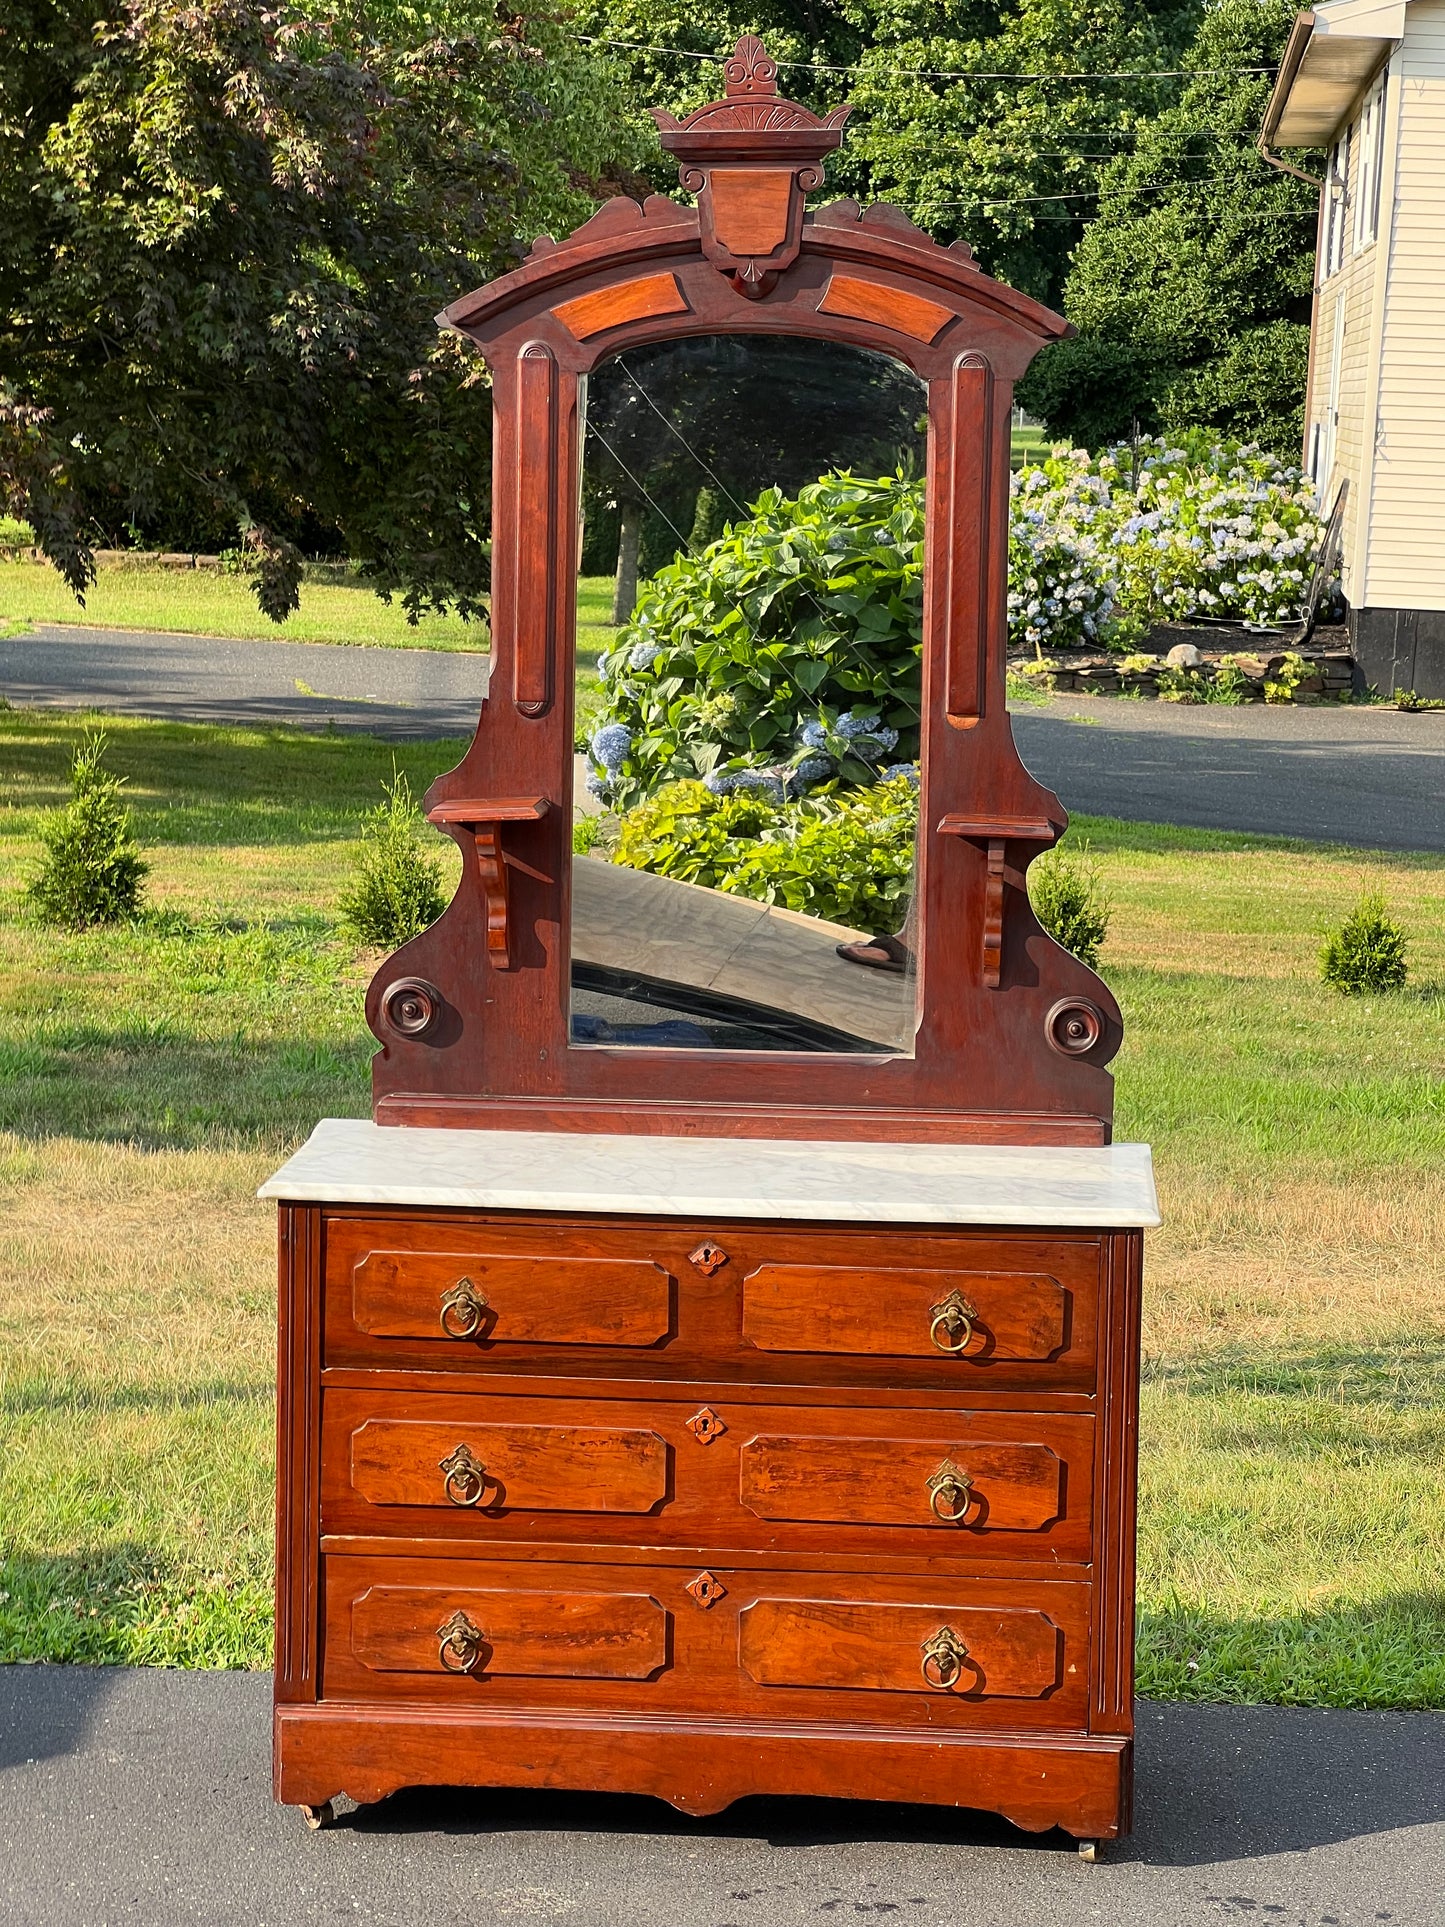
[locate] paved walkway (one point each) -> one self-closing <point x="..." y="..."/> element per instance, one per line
<point x="1367" y="776"/>
<point x="395" y="693"/>
<point x="130" y="1796"/>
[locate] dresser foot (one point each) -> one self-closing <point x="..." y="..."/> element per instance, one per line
<point x="1089" y="1850"/>
<point x="318" y="1817"/>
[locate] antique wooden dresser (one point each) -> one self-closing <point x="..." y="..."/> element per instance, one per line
<point x="714" y="1370"/>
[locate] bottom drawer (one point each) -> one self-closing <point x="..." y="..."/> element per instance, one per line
<point x="675" y="1638"/>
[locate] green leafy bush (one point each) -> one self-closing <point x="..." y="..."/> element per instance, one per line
<point x="1367" y="952"/>
<point x="92" y="870"/>
<point x="396" y="889"/>
<point x="844" y="856"/>
<point x="1070" y="901"/>
<point x="805" y="619"/>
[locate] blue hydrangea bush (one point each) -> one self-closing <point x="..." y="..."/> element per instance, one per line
<point x="1196" y="526"/>
<point x="785" y="656"/>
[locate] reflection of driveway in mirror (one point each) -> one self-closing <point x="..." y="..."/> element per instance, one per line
<point x="678" y="933"/>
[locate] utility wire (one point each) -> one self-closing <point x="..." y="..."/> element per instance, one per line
<point x="851" y="646"/>
<point x="929" y="73"/>
<point x="1093" y="193"/>
<point x="651" y="500"/>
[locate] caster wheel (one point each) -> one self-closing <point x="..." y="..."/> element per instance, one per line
<point x="1089" y="1851"/>
<point x="318" y="1817"/>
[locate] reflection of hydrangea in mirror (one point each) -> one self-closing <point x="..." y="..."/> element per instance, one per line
<point x="794" y="637"/>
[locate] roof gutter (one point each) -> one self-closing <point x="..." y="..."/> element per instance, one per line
<point x="1300" y="35"/>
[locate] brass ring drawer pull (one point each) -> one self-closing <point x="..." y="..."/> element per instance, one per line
<point x="950" y="1494"/>
<point x="943" y="1658"/>
<point x="463" y="1308"/>
<point x="461" y="1643"/>
<point x="466" y="1476"/>
<point x="954" y="1317"/>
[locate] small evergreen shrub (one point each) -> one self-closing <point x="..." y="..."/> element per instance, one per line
<point x="1069" y="900"/>
<point x="396" y="889"/>
<point x="1367" y="952"/>
<point x="846" y="856"/>
<point x="92" y="870"/>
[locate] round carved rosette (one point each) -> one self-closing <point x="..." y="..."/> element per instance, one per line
<point x="1074" y="1026"/>
<point x="411" y="1006"/>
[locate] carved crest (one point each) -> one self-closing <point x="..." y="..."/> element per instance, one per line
<point x="751" y="158"/>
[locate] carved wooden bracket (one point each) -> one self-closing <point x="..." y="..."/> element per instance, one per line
<point x="751" y="159"/>
<point x="993" y="835"/>
<point x="484" y="822"/>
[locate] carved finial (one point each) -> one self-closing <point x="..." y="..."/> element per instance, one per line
<point x="750" y="159"/>
<point x="750" y="70"/>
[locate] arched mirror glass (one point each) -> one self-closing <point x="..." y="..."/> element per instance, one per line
<point x="748" y="694"/>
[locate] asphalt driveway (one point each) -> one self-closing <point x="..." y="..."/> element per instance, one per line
<point x="137" y="1796"/>
<point x="1367" y="776"/>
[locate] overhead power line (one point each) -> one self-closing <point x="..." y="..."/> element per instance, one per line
<point x="1093" y="193"/>
<point x="931" y="73"/>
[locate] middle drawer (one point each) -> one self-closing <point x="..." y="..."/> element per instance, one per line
<point x="715" y="1471"/>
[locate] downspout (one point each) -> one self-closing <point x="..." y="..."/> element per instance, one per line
<point x="1299" y="39"/>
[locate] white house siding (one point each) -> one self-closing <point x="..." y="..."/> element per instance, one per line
<point x="1353" y="286"/>
<point x="1406" y="550"/>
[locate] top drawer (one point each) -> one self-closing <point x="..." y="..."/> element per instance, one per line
<point x="757" y="1303"/>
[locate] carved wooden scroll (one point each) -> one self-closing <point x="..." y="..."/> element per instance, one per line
<point x="484" y="820"/>
<point x="993" y="835"/>
<point x="536" y="528"/>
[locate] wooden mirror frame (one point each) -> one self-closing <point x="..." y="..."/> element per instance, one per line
<point x="473" y="1015"/>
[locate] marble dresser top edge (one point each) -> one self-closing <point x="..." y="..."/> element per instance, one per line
<point x="1107" y="1186"/>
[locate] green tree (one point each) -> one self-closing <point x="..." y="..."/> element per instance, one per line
<point x="225" y="228"/>
<point x="1191" y="290"/>
<point x="1009" y="164"/>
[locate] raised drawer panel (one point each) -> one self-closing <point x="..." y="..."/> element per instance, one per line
<point x="707" y="1470"/>
<point x="887" y="1307"/>
<point x="654" y="1633"/>
<point x="993" y="1653"/>
<point x="890" y="1311"/>
<point x="500" y="1297"/>
<point x="524" y="1468"/>
<point x="492" y="1631"/>
<point x="942" y="1483"/>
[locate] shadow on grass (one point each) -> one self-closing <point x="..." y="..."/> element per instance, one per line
<point x="1403" y="1375"/>
<point x="164" y="1090"/>
<point x="1387" y="1652"/>
<point x="210" y="785"/>
<point x="120" y="1606"/>
<point x="24" y="1398"/>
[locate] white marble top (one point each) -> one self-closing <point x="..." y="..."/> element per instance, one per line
<point x="353" y="1161"/>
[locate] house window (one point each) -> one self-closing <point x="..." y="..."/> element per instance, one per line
<point x="1336" y="201"/>
<point x="1371" y="166"/>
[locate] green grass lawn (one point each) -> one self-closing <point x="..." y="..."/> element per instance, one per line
<point x="1292" y="1530"/>
<point x="1030" y="445"/>
<point x="202" y="602"/>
